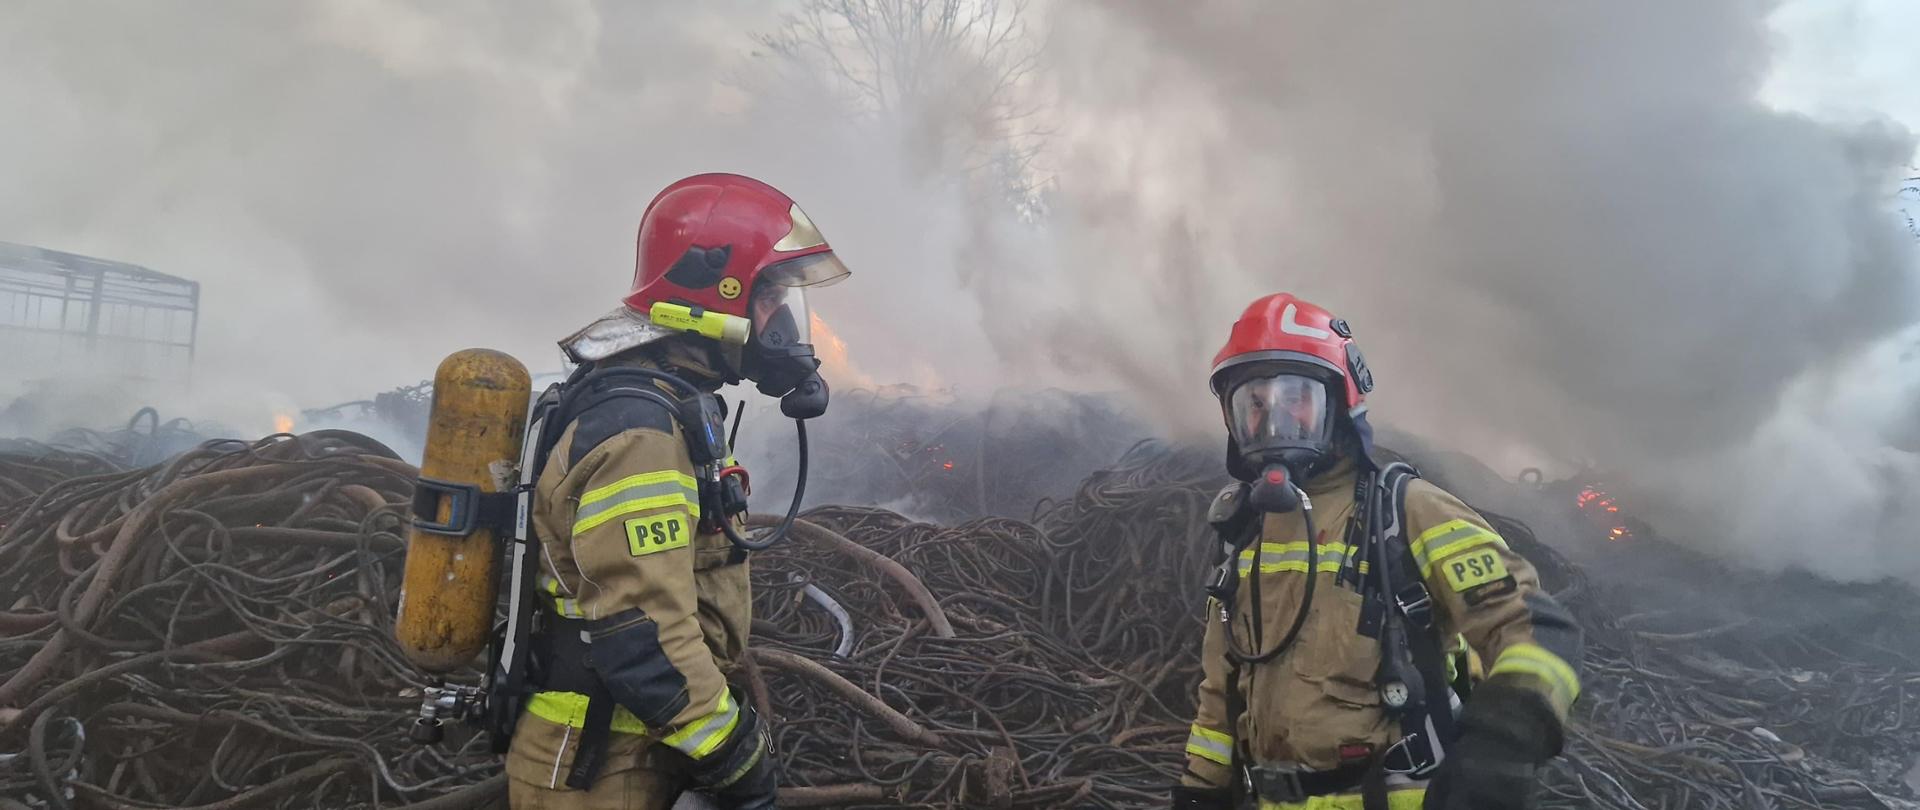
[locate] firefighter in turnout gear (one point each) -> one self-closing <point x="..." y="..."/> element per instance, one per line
<point x="643" y="602"/>
<point x="1345" y="600"/>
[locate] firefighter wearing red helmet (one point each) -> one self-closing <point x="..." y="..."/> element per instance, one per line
<point x="644" y="604"/>
<point x="1346" y="589"/>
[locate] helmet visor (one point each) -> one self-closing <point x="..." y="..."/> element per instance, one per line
<point x="779" y="304"/>
<point x="1279" y="410"/>
<point x="813" y="270"/>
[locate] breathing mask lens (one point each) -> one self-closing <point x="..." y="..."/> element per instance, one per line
<point x="779" y="358"/>
<point x="780" y="317"/>
<point x="1279" y="411"/>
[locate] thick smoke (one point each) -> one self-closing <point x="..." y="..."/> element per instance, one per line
<point x="1564" y="231"/>
<point x="363" y="186"/>
<point x="1567" y="229"/>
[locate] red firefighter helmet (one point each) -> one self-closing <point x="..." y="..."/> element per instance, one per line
<point x="713" y="240"/>
<point x="1283" y="328"/>
<point x="728" y="258"/>
<point x="1283" y="361"/>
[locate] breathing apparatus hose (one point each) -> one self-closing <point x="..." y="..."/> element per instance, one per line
<point x="1240" y="662"/>
<point x="779" y="532"/>
<point x="1306" y="599"/>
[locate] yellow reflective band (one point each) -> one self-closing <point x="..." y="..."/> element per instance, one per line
<point x="653" y="490"/>
<point x="562" y="605"/>
<point x="1323" y="566"/>
<point x="610" y="491"/>
<point x="680" y="504"/>
<point x="1413" y="798"/>
<point x="569" y="608"/>
<point x="1210" y="745"/>
<point x="1276" y="557"/>
<point x="570" y="709"/>
<point x="1448" y="538"/>
<point x="1563" y="684"/>
<point x="1276" y="548"/>
<point x="700" y="737"/>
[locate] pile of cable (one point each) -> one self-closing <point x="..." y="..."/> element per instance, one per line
<point x="212" y="631"/>
<point x="215" y="631"/>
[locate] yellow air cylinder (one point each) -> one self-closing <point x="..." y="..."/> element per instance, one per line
<point x="474" y="434"/>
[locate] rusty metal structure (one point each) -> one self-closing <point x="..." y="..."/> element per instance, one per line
<point x="59" y="308"/>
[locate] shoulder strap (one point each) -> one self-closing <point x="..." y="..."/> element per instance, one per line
<point x="701" y="417"/>
<point x="1427" y="722"/>
<point x="1235" y="524"/>
<point x="510" y="653"/>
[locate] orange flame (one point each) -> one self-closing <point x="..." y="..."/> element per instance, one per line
<point x="835" y="364"/>
<point x="283" y="423"/>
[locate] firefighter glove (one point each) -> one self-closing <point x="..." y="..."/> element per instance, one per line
<point x="1506" y="733"/>
<point x="741" y="774"/>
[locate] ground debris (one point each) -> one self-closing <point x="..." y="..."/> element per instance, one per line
<point x="215" y="631"/>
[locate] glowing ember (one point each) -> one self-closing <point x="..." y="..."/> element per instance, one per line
<point x="1596" y="501"/>
<point x="948" y="465"/>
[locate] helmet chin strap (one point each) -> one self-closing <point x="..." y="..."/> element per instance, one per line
<point x="727" y="357"/>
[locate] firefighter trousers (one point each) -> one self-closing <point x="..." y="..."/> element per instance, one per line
<point x="640" y="774"/>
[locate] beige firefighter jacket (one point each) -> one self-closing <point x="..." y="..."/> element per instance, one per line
<point x="619" y="530"/>
<point x="1305" y="705"/>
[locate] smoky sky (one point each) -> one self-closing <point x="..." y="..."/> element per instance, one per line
<point x="1568" y="226"/>
<point x="362" y="187"/>
<point x="1581" y="201"/>
<point x="1563" y="231"/>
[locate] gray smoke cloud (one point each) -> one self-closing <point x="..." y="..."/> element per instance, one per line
<point x="1565" y="231"/>
<point x="363" y="186"/>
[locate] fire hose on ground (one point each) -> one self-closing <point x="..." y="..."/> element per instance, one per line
<point x="214" y="632"/>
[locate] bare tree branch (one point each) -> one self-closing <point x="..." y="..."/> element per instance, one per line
<point x="962" y="67"/>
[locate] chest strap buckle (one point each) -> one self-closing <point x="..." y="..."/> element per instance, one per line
<point x="1280" y="784"/>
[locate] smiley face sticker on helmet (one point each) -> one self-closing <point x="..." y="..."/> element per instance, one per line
<point x="729" y="288"/>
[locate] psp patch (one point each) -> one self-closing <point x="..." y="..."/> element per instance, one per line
<point x="1473" y="568"/>
<point x="648" y="535"/>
